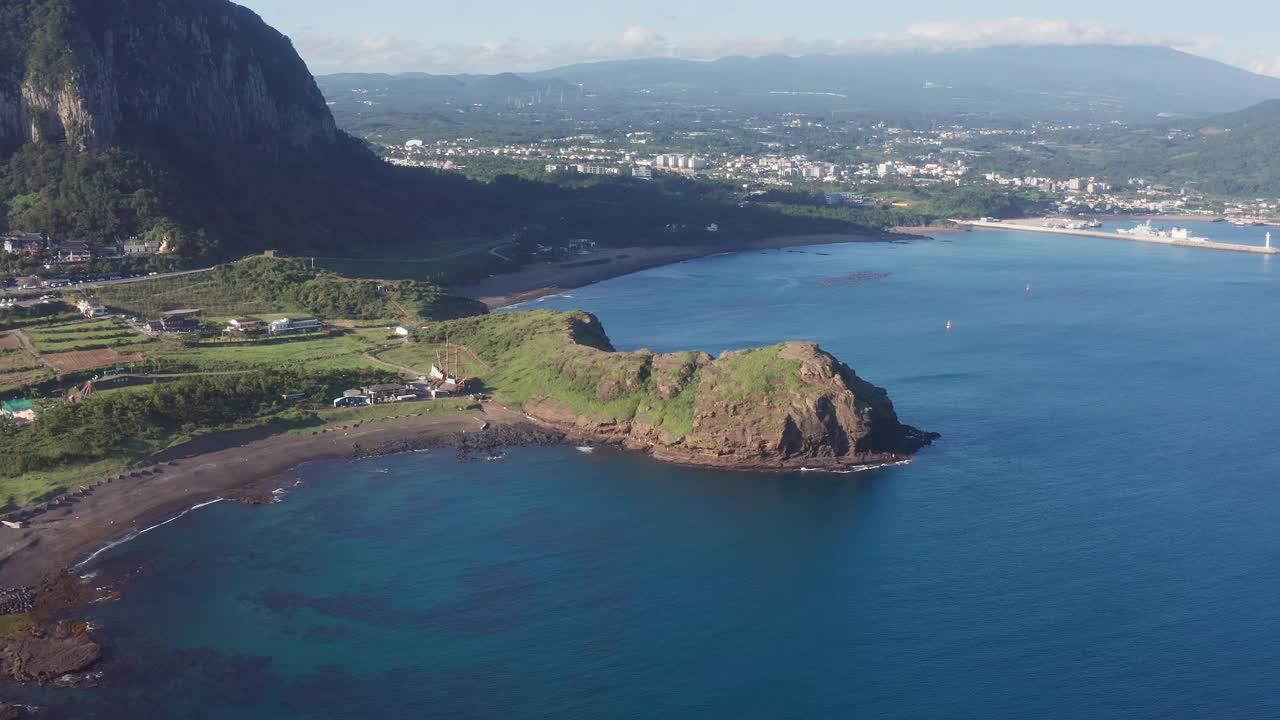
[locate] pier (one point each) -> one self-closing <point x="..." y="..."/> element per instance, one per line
<point x="1202" y="244"/>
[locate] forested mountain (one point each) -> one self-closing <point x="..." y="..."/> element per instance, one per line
<point x="1231" y="154"/>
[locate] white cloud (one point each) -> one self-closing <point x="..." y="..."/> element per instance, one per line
<point x="328" y="53"/>
<point x="1261" y="64"/>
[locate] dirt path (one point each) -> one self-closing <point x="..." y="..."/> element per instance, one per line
<point x="26" y="345"/>
<point x="393" y="366"/>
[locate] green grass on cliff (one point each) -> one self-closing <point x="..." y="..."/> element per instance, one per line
<point x="558" y="356"/>
<point x="532" y="355"/>
<point x="756" y="375"/>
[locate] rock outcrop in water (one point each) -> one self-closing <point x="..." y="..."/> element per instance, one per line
<point x="787" y="406"/>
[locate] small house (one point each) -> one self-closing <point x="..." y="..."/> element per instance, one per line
<point x="289" y="326"/>
<point x="74" y="251"/>
<point x="245" y="326"/>
<point x="182" y="321"/>
<point x="386" y="392"/>
<point x="91" y="307"/>
<point x="136" y="246"/>
<point x="24" y="243"/>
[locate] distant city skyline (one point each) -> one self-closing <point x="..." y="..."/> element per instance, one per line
<point x="513" y="35"/>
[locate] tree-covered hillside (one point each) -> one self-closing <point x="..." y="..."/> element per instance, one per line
<point x="1232" y="154"/>
<point x="100" y="139"/>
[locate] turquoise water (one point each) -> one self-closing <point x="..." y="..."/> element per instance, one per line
<point x="1094" y="537"/>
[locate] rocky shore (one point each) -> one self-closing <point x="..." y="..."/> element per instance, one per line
<point x="787" y="407"/>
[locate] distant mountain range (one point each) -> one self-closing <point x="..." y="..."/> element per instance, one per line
<point x="1099" y="82"/>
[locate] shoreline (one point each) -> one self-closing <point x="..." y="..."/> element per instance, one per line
<point x="216" y="469"/>
<point x="541" y="280"/>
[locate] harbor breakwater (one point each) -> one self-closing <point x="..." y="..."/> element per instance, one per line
<point x="1203" y="244"/>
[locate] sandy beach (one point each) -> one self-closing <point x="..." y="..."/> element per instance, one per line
<point x="544" y="279"/>
<point x="197" y="474"/>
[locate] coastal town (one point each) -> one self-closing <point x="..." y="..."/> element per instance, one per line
<point x="851" y="164"/>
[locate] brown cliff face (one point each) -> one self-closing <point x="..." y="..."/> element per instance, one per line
<point x="93" y="73"/>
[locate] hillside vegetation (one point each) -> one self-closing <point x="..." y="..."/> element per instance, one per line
<point x="105" y="433"/>
<point x="259" y="284"/>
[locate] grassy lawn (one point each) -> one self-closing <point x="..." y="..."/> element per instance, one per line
<point x="39" y="486"/>
<point x="336" y="417"/>
<point x="532" y="356"/>
<point x="326" y="351"/>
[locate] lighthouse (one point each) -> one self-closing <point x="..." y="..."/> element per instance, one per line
<point x="1268" y="240"/>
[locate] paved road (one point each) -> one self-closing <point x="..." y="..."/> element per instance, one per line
<point x="15" y="292"/>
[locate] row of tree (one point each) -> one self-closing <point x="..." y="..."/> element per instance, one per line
<point x="134" y="423"/>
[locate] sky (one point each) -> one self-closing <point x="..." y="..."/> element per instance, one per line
<point x="448" y="36"/>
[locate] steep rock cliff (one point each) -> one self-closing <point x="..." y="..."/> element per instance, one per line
<point x="97" y="74"/>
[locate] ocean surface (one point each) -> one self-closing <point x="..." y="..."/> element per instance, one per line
<point x="1097" y="535"/>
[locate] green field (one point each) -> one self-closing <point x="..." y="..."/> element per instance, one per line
<point x="88" y="335"/>
<point x="329" y="418"/>
<point x="339" y="351"/>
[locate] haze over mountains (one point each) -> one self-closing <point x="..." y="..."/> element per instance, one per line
<point x="1098" y="82"/>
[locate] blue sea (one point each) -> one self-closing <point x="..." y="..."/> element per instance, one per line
<point x="1097" y="535"/>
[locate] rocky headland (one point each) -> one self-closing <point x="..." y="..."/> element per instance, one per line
<point x="787" y="406"/>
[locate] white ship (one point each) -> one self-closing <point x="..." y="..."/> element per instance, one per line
<point x="1146" y="230"/>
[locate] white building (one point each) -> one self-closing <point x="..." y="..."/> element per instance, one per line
<point x="285" y="326"/>
<point x="91" y="308"/>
